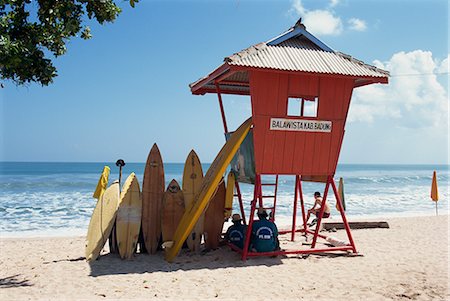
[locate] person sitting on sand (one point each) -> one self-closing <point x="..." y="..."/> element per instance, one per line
<point x="264" y="234"/>
<point x="316" y="211"/>
<point x="236" y="232"/>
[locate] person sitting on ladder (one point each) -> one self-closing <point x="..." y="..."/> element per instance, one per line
<point x="316" y="211"/>
<point x="264" y="234"/>
<point x="236" y="232"/>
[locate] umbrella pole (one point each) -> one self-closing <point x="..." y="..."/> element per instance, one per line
<point x="120" y="163"/>
<point x="113" y="248"/>
<point x="436" y="208"/>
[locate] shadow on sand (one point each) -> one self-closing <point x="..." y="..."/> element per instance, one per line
<point x="111" y="264"/>
<point x="13" y="281"/>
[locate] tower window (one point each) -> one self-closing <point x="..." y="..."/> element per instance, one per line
<point x="303" y="106"/>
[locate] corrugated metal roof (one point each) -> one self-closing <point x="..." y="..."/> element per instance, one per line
<point x="239" y="77"/>
<point x="296" y="50"/>
<point x="300" y="54"/>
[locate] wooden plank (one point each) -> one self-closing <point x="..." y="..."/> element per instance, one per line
<point x="289" y="152"/>
<point x="303" y="85"/>
<point x="280" y="98"/>
<point x="336" y="144"/>
<point x="308" y="157"/>
<point x="315" y="178"/>
<point x="259" y="141"/>
<point x="268" y="147"/>
<point x="299" y="153"/>
<point x="268" y="86"/>
<point x="355" y="225"/>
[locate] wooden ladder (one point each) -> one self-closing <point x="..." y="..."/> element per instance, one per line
<point x="271" y="196"/>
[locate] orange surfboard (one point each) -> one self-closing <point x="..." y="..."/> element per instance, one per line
<point x="152" y="194"/>
<point x="172" y="210"/>
<point x="214" y="218"/>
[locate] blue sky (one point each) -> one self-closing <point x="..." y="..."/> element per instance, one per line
<point x="127" y="87"/>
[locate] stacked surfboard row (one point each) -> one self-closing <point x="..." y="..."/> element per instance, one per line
<point x="150" y="217"/>
<point x="168" y="218"/>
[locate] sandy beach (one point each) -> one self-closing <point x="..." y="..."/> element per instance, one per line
<point x="408" y="261"/>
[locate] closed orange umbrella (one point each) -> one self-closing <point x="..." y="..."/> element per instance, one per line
<point x="434" y="191"/>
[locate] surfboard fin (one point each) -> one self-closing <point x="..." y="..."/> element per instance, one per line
<point x="167" y="244"/>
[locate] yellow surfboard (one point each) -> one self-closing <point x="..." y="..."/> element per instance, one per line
<point x="102" y="221"/>
<point x="128" y="223"/>
<point x="231" y="181"/>
<point x="209" y="184"/>
<point x="192" y="180"/>
<point x="102" y="183"/>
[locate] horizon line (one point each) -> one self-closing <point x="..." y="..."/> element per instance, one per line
<point x="102" y="162"/>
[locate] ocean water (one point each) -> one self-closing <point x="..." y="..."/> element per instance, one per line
<point x="52" y="199"/>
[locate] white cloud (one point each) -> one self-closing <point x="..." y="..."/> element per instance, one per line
<point x="444" y="66"/>
<point x="414" y="98"/>
<point x="357" y="24"/>
<point x="297" y="6"/>
<point x="333" y="3"/>
<point x="320" y="22"/>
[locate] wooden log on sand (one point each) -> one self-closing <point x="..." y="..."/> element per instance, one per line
<point x="355" y="225"/>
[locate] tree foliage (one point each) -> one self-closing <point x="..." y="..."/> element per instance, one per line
<point x="33" y="31"/>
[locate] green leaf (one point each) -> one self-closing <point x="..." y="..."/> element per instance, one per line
<point x="25" y="45"/>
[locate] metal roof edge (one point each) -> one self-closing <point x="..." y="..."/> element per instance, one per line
<point x="282" y="37"/>
<point x="298" y="30"/>
<point x="271" y="69"/>
<point x="213" y="75"/>
<point x="361" y="63"/>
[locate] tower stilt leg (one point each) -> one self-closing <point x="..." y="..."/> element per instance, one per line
<point x="294" y="214"/>
<point x="344" y="218"/>
<point x="322" y="209"/>
<point x="251" y="217"/>
<point x="302" y="204"/>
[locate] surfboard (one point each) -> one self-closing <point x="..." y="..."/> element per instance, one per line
<point x="102" y="183"/>
<point x="341" y="194"/>
<point x="214" y="218"/>
<point x="209" y="184"/>
<point x="231" y="181"/>
<point x="153" y="187"/>
<point x="192" y="180"/>
<point x="102" y="221"/>
<point x="172" y="210"/>
<point x="128" y="223"/>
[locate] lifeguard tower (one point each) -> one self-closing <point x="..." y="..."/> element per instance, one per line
<point x="300" y="93"/>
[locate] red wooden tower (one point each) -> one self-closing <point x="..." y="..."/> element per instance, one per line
<point x="300" y="93"/>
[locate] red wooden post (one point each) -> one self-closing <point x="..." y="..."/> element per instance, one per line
<point x="302" y="203"/>
<point x="251" y="218"/>
<point x="344" y="218"/>
<point x="294" y="214"/>
<point x="222" y="111"/>
<point x="259" y="193"/>
<point x="322" y="209"/>
<point x="275" y="198"/>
